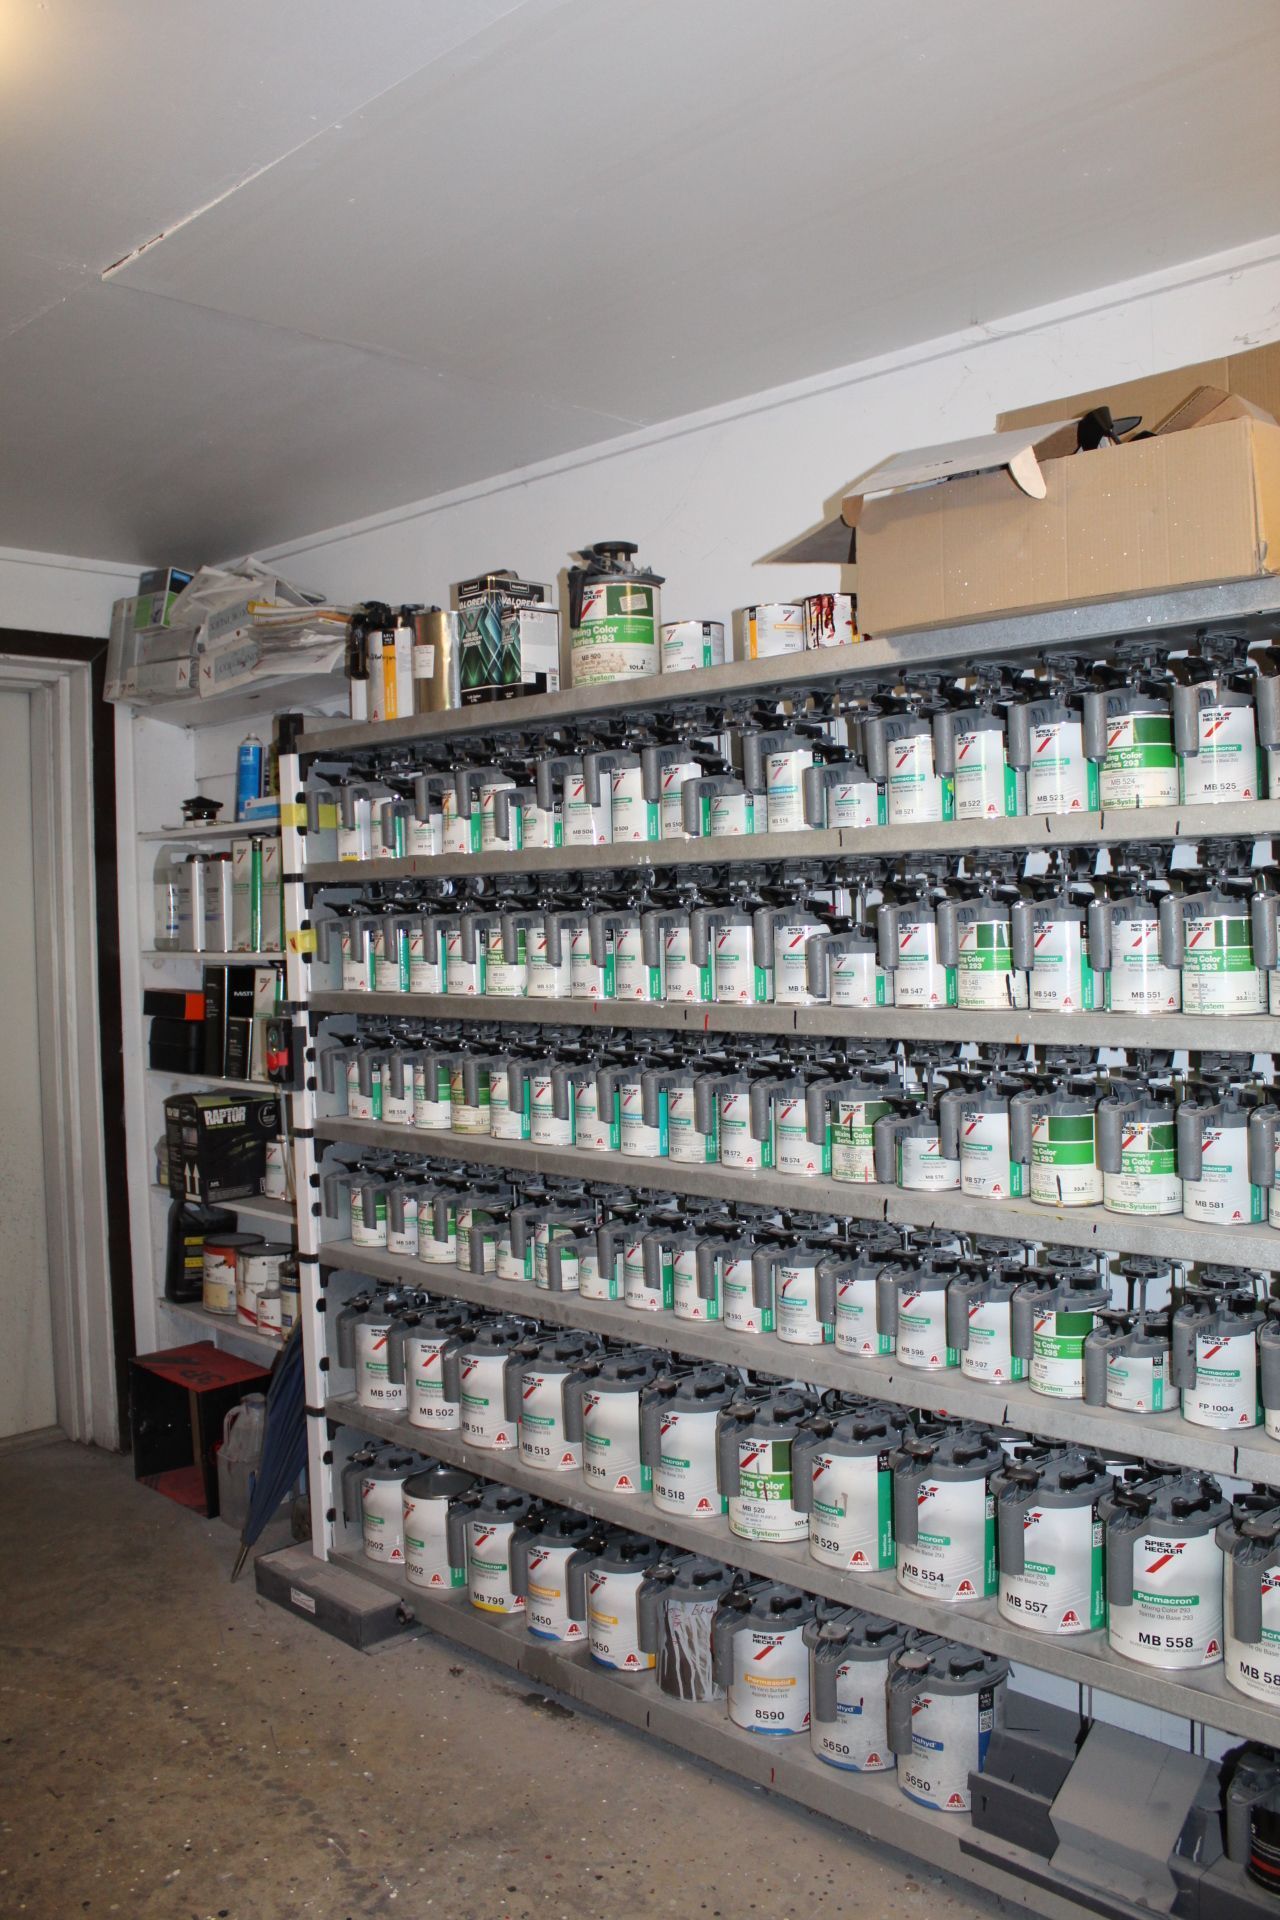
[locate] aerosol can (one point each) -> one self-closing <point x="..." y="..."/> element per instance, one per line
<point x="1138" y="1150"/>
<point x="1049" y="1536"/>
<point x="480" y="1528"/>
<point x="614" y="618"/>
<point x="1050" y="941"/>
<point x="760" y="1657"/>
<point x="911" y="1311"/>
<point x="1215" y="728"/>
<point x="753" y="1446"/>
<point x="943" y="1512"/>
<point x="1206" y="932"/>
<point x="945" y="1701"/>
<point x="973" y="1129"/>
<point x="1128" y="735"/>
<point x="1164" y="1569"/>
<point x="1053" y="1133"/>
<point x="372" y="1493"/>
<point x="545" y="1365"/>
<point x="425" y="1518"/>
<point x="979" y="1324"/>
<point x="1127" y="1358"/>
<point x="610" y="1583"/>
<point x="975" y="941"/>
<point x="1051" y="1316"/>
<point x="602" y="1415"/>
<point x="1215" y="1349"/>
<point x="841" y="1119"/>
<point x="545" y="1549"/>
<point x="970" y="750"/>
<point x="1213" y="1145"/>
<point x="415" y="1359"/>
<point x="907" y="931"/>
<point x="900" y="756"/>
<point x="1046" y="743"/>
<point x="1124" y="940"/>
<point x="679" y="1415"/>
<point x="676" y="1609"/>
<point x="480" y="1373"/>
<point x="1250" y="1543"/>
<point x="849" y="1656"/>
<point x="842" y="1472"/>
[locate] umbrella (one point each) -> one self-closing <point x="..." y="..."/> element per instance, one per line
<point x="284" y="1444"/>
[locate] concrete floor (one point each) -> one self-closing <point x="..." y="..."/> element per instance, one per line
<point x="175" y="1748"/>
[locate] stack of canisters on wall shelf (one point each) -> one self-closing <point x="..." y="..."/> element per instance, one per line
<point x="823" y="1109"/>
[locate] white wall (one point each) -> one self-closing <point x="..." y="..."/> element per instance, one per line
<point x="26" y="1327"/>
<point x="59" y="593"/>
<point x="707" y="495"/>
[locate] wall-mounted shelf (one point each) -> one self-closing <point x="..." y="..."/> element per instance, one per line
<point x="869" y="1803"/>
<point x="216" y="830"/>
<point x="1248" y="1034"/>
<point x="1046" y="832"/>
<point x="1175" y="617"/>
<point x="1085" y="1658"/>
<point x="259" y="1206"/>
<point x="222" y="1323"/>
<point x="211" y="1081"/>
<point x="236" y="959"/>
<point x="1164" y="1437"/>
<point x="1171" y="1236"/>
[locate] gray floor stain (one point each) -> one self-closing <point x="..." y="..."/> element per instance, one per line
<point x="174" y="1748"/>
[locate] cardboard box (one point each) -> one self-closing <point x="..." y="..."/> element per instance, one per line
<point x="1180" y="509"/>
<point x="1255" y="376"/>
<point x="217" y="1143"/>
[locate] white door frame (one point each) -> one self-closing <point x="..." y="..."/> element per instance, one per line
<point x="66" y="937"/>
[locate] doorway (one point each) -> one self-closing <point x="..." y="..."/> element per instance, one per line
<point x="57" y="1337"/>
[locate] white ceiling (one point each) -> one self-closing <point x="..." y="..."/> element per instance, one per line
<point x="268" y="265"/>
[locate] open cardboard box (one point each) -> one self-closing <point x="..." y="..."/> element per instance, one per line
<point x="1015" y="521"/>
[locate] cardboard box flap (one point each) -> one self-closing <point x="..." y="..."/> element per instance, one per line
<point x="1206" y="407"/>
<point x="1020" y="450"/>
<point x="1253" y="375"/>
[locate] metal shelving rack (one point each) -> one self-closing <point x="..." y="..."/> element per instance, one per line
<point x="1173" y="620"/>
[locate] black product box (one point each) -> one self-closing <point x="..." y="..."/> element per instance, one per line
<point x="176" y="1046"/>
<point x="217" y="1143"/>
<point x="215" y="1020"/>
